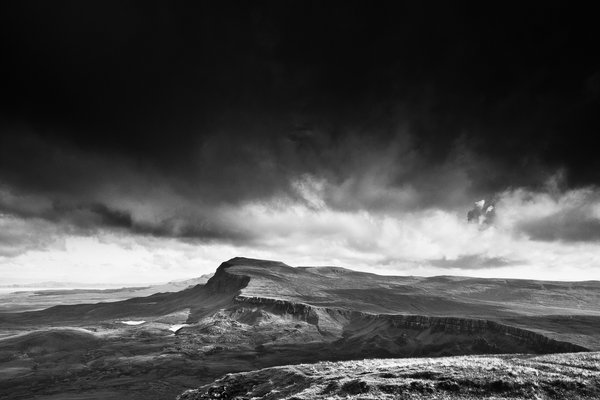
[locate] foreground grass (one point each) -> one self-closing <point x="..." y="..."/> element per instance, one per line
<point x="558" y="376"/>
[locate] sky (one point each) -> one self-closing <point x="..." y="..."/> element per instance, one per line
<point x="144" y="142"/>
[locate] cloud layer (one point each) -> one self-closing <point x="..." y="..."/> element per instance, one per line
<point x="427" y="240"/>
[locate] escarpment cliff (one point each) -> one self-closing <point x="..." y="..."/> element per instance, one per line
<point x="301" y="311"/>
<point x="408" y="334"/>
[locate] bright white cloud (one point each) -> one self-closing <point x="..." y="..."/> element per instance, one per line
<point x="308" y="232"/>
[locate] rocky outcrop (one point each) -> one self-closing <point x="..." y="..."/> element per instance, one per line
<point x="301" y="311"/>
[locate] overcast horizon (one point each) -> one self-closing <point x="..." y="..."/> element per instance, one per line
<point x="145" y="143"/>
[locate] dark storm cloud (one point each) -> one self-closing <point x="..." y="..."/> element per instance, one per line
<point x="89" y="218"/>
<point x="571" y="225"/>
<point x="18" y="236"/>
<point x="473" y="262"/>
<point x="110" y="108"/>
<point x="552" y="214"/>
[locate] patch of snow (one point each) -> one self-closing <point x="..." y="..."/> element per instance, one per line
<point x="175" y="328"/>
<point x="132" y="322"/>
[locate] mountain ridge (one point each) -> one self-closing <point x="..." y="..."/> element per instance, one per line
<point x="254" y="314"/>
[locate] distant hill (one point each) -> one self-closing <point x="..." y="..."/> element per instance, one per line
<point x="80" y="285"/>
<point x="31" y="297"/>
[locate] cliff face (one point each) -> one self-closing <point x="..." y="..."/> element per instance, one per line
<point x="354" y="326"/>
<point x="301" y="311"/>
<point x="225" y="282"/>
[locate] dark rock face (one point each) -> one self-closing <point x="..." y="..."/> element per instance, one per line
<point x="300" y="311"/>
<point x="224" y="282"/>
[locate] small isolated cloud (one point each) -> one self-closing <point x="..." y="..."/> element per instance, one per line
<point x="483" y="213"/>
<point x="473" y="262"/>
